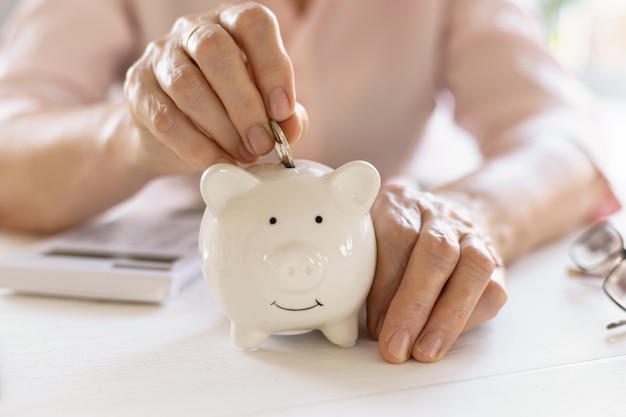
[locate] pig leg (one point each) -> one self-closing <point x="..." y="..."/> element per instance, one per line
<point x="247" y="338"/>
<point x="343" y="333"/>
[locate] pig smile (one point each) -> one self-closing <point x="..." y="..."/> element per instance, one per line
<point x="317" y="303"/>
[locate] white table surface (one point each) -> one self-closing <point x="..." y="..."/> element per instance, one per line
<point x="547" y="353"/>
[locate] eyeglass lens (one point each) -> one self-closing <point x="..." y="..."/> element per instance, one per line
<point x="600" y="245"/>
<point x="615" y="285"/>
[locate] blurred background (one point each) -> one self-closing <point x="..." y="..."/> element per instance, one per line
<point x="589" y="38"/>
<point x="5" y="6"/>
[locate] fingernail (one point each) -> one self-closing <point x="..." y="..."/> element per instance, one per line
<point x="260" y="140"/>
<point x="399" y="345"/>
<point x="430" y="345"/>
<point x="279" y="104"/>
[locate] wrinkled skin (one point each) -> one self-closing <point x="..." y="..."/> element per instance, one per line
<point x="214" y="80"/>
<point x="437" y="275"/>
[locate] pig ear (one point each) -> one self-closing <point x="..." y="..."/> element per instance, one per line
<point x="358" y="178"/>
<point x="221" y="182"/>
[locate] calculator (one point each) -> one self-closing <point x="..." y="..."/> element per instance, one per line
<point x="127" y="259"/>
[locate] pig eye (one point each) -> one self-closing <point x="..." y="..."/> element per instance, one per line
<point x="319" y="219"/>
<point x="273" y="220"/>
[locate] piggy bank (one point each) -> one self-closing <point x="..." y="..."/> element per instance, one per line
<point x="288" y="250"/>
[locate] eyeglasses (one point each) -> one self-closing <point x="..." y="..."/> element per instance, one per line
<point x="600" y="252"/>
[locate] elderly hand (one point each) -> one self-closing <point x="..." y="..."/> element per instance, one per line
<point x="437" y="275"/>
<point x="204" y="93"/>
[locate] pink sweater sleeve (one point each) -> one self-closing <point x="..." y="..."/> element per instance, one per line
<point x="63" y="53"/>
<point x="523" y="85"/>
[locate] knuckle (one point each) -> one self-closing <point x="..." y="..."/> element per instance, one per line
<point x="132" y="73"/>
<point x="163" y="119"/>
<point x="441" y="251"/>
<point x="247" y="104"/>
<point x="131" y="83"/>
<point x="182" y="81"/>
<point x="137" y="71"/>
<point x="479" y="261"/>
<point x="214" y="42"/>
<point x="457" y="314"/>
<point x="135" y="94"/>
<point x="418" y="309"/>
<point x="392" y="220"/>
<point x="154" y="48"/>
<point x="276" y="66"/>
<point x="182" y="23"/>
<point x="253" y="17"/>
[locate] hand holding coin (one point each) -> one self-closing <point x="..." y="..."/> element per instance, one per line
<point x="282" y="146"/>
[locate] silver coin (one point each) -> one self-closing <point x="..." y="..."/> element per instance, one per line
<point x="282" y="146"/>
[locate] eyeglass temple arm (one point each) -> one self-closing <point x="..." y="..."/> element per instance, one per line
<point x="616" y="324"/>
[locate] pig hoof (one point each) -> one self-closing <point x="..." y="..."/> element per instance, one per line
<point x="344" y="334"/>
<point x="249" y="349"/>
<point x="247" y="339"/>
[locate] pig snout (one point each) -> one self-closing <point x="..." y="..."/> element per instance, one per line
<point x="296" y="267"/>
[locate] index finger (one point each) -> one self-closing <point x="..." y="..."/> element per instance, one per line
<point x="255" y="29"/>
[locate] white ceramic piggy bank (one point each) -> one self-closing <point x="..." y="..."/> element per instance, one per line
<point x="286" y="250"/>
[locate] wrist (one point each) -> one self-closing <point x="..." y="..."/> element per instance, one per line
<point x="121" y="141"/>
